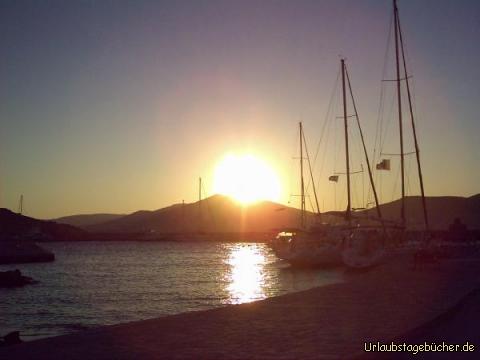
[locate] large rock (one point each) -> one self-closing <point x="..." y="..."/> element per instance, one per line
<point x="14" y="278"/>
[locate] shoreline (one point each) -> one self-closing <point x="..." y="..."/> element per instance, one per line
<point x="23" y="252"/>
<point x="331" y="321"/>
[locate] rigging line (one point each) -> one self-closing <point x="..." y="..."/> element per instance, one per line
<point x="417" y="150"/>
<point x="378" y="133"/>
<point x="363" y="187"/>
<point x="363" y="143"/>
<point x="401" y="79"/>
<point x="414" y="103"/>
<point x="343" y="117"/>
<point x="407" y="173"/>
<point x="411" y="83"/>
<point x="347" y="152"/>
<point x="382" y="90"/>
<point x="395" y="184"/>
<point x="302" y="188"/>
<point x="292" y="166"/>
<point x="380" y="185"/>
<point x="356" y="203"/>
<point x="311" y="204"/>
<point x="357" y="156"/>
<point x="324" y="155"/>
<point x="387" y="114"/>
<point x="326" y="120"/>
<point x="329" y="109"/>
<point x="400" y="113"/>
<point x="351" y="172"/>
<point x="327" y="130"/>
<point x="388" y="123"/>
<point x="334" y="196"/>
<point x="379" y="126"/>
<point x="355" y="193"/>
<point x="381" y="108"/>
<point x="335" y="145"/>
<point x="342" y="203"/>
<point x="311" y="174"/>
<point x="405" y="153"/>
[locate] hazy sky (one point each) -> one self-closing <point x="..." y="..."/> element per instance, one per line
<point x="115" y="106"/>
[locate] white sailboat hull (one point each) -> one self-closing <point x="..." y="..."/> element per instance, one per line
<point x="309" y="249"/>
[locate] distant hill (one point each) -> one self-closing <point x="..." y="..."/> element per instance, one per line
<point x="214" y="214"/>
<point x="442" y="210"/>
<point x="87" y="219"/>
<point x="222" y="214"/>
<point x="18" y="227"/>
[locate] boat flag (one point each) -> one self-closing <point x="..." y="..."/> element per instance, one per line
<point x="384" y="165"/>
<point x="333" y="178"/>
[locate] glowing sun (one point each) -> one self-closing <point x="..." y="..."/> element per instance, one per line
<point x="246" y="178"/>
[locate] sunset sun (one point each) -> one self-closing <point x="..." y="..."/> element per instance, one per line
<point x="246" y="178"/>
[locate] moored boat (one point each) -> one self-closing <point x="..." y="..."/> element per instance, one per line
<point x="320" y="246"/>
<point x="324" y="244"/>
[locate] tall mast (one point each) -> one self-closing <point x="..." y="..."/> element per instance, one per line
<point x="370" y="175"/>
<point x="417" y="149"/>
<point x="311" y="176"/>
<point x="347" y="157"/>
<point x="399" y="100"/>
<point x="302" y="185"/>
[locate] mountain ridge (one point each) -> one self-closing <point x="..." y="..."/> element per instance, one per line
<point x="82" y="220"/>
<point x="15" y="226"/>
<point x="228" y="215"/>
<point x="220" y="214"/>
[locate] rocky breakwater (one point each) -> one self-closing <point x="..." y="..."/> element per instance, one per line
<point x="14" y="278"/>
<point x="15" y="252"/>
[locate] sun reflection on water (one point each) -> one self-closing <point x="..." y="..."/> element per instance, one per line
<point x="246" y="275"/>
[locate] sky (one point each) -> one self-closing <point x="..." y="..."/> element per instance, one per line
<point x="116" y="106"/>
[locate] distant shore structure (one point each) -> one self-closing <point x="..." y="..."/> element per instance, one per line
<point x="20" y="205"/>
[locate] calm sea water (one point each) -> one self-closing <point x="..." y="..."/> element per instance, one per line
<point x="100" y="283"/>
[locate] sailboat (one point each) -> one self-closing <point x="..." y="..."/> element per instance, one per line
<point x="354" y="257"/>
<point x="365" y="247"/>
<point x="350" y="243"/>
<point x="399" y="47"/>
<point x="320" y="245"/>
<point x="357" y="245"/>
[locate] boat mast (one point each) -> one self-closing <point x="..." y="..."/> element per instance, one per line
<point x="399" y="101"/>
<point x="370" y="175"/>
<point x="311" y="177"/>
<point x="347" y="157"/>
<point x="417" y="149"/>
<point x="302" y="185"/>
<point x="199" y="189"/>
